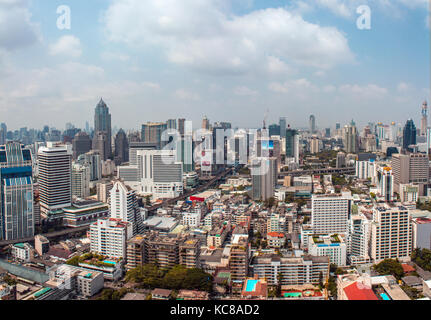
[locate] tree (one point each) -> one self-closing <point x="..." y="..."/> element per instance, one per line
<point x="390" y="266"/>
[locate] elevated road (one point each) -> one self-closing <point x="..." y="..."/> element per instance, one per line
<point x="320" y="171"/>
<point x="49" y="235"/>
<point x="199" y="189"/>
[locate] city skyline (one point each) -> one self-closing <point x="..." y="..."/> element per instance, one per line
<point x="52" y="76"/>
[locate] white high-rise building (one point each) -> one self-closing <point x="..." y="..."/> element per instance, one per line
<point x="161" y="175"/>
<point x="391" y="233"/>
<point x="330" y="213"/>
<point x="124" y="206"/>
<point x="55" y="176"/>
<point x="385" y="185"/>
<point x="365" y="169"/>
<point x="80" y="181"/>
<point x="109" y="237"/>
<point x="409" y="192"/>
<point x="358" y="239"/>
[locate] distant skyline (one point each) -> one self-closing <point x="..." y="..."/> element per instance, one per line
<point x="155" y="60"/>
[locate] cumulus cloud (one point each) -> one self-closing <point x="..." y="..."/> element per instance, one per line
<point x="202" y="36"/>
<point x="16" y="28"/>
<point x="67" y="46"/>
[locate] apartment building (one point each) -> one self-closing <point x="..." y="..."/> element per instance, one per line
<point x="108" y="237"/>
<point x="391" y="233"/>
<point x="294" y="270"/>
<point x="330" y="213"/>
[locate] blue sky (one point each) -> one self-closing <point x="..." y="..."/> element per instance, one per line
<point x="230" y="60"/>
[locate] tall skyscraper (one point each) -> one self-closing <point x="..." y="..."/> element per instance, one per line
<point x="351" y="138"/>
<point x="181" y="125"/>
<point x="81" y="144"/>
<point x="312" y="123"/>
<point x="292" y="144"/>
<point x="205" y="123"/>
<point x="101" y="144"/>
<point x="424" y="120"/>
<point x="16" y="196"/>
<point x="264" y="175"/>
<point x="55" y="176"/>
<point x="409" y="134"/>
<point x="282" y="123"/>
<point x="152" y="133"/>
<point x="102" y="123"/>
<point x="121" y="147"/>
<point x="172" y="124"/>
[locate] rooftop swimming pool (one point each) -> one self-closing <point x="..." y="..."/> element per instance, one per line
<point x="385" y="296"/>
<point x="251" y="285"/>
<point x="109" y="262"/>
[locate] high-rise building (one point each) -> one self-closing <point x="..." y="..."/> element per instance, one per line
<point x="108" y="237"/>
<point x="3" y="133"/>
<point x="315" y="145"/>
<point x="283" y="123"/>
<point x="181" y="126"/>
<point x="340" y="160"/>
<point x="101" y="144"/>
<point x="171" y="124"/>
<point x="124" y="206"/>
<point x="152" y="133"/>
<point x="330" y="213"/>
<point x="410" y="168"/>
<point x="274" y="130"/>
<point x="365" y="169"/>
<point x="239" y="259"/>
<point x="351" y="141"/>
<point x="104" y="191"/>
<point x="264" y="178"/>
<point x="424" y="120"/>
<point x="80" y="181"/>
<point x="121" y="147"/>
<point x="358" y="239"/>
<point x="81" y="144"/>
<point x="205" y="123"/>
<point x="292" y="144"/>
<point x="16" y="192"/>
<point x="160" y="174"/>
<point x="102" y="123"/>
<point x="92" y="160"/>
<point x="409" y="134"/>
<point x="55" y="176"/>
<point x="385" y="183"/>
<point x="312" y="124"/>
<point x="391" y="233"/>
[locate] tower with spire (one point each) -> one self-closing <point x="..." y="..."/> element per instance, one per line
<point x="102" y="124"/>
<point x="424" y="121"/>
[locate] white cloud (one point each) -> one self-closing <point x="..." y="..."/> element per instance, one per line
<point x="184" y="94"/>
<point x="67" y="46"/>
<point x="16" y="28"/>
<point x="245" y="91"/>
<point x="200" y="35"/>
<point x="110" y="56"/>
